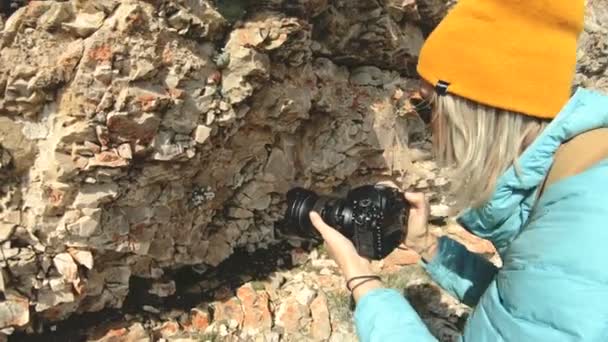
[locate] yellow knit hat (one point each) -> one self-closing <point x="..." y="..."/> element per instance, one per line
<point x="518" y="55"/>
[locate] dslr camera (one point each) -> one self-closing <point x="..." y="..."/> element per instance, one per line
<point x="371" y="216"/>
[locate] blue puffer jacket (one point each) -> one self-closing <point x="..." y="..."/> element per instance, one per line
<point x="553" y="285"/>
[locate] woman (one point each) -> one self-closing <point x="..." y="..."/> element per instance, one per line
<point x="531" y="165"/>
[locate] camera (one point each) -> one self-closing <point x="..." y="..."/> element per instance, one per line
<point x="371" y="216"/>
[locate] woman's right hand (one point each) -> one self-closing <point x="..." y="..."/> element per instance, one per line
<point x="418" y="238"/>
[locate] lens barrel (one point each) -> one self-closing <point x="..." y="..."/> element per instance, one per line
<point x="333" y="211"/>
<point x="299" y="204"/>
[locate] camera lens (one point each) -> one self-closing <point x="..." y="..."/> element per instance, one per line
<point x="299" y="204"/>
<point x="333" y="211"/>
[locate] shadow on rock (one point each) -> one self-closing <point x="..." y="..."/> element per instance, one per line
<point x="191" y="288"/>
<point x="445" y="320"/>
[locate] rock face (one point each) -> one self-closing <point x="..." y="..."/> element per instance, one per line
<point x="592" y="69"/>
<point x="299" y="304"/>
<point x="141" y="136"/>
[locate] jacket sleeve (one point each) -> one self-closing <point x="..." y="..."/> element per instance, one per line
<point x="384" y="315"/>
<point x="463" y="274"/>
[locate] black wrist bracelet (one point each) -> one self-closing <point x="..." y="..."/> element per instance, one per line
<point x="363" y="282"/>
<point x="366" y="277"/>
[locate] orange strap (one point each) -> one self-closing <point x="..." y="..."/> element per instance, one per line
<point x="578" y="154"/>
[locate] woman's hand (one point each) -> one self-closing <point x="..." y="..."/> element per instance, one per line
<point x="418" y="237"/>
<point x="344" y="253"/>
<point x="342" y="250"/>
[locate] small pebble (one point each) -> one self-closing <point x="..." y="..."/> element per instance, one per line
<point x="150" y="309"/>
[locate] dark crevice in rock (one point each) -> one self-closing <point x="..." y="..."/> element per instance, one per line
<point x="192" y="289"/>
<point x="8" y="7"/>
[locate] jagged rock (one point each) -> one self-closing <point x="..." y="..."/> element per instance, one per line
<point x="18" y="150"/>
<point x="245" y="64"/>
<point x="84" y="258"/>
<point x="202" y="133"/>
<point x="402" y="9"/>
<point x="48" y="298"/>
<point x="168" y="329"/>
<point x="92" y="195"/>
<point x="151" y="309"/>
<point x="440" y="210"/>
<point x="321" y="326"/>
<point x="257" y="318"/>
<point x="431" y="12"/>
<point x="138" y="137"/>
<point x="167" y="148"/>
<point x="22" y="262"/>
<point x="230" y="312"/>
<point x="292" y="316"/>
<point x="14" y="311"/>
<point x="399" y="257"/>
<point x="6" y="230"/>
<point x="370" y="75"/>
<point x="5" y="160"/>
<point x="305" y="295"/>
<point x="85" y="23"/>
<point x="199" y="319"/>
<point x="324" y="263"/>
<point x="198" y="19"/>
<point x="51" y="76"/>
<point x="125" y="152"/>
<point x="128" y="17"/>
<point x="10" y="253"/>
<point x="2" y="282"/>
<point x="106" y="6"/>
<point x="66" y="266"/>
<point x="592" y="64"/>
<point x="472" y="242"/>
<point x="283" y="105"/>
<point x="50" y="15"/>
<point x="298" y="256"/>
<point x="163" y="289"/>
<point x="136" y="129"/>
<point x="134" y="333"/>
<point x="85" y="226"/>
<point x="107" y="159"/>
<point x="358" y="32"/>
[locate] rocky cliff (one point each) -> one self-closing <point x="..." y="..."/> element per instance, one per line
<point x="140" y="137"/>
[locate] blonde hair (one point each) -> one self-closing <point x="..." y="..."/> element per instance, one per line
<point x="477" y="143"/>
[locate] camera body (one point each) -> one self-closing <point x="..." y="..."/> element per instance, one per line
<point x="371" y="216"/>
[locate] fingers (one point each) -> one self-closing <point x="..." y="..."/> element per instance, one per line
<point x="319" y="224"/>
<point x="416" y="199"/>
<point x="388" y="183"/>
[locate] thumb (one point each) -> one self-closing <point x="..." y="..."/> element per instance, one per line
<point x="318" y="223"/>
<point x="416" y="199"/>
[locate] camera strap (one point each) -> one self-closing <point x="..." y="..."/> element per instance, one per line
<point x="577" y="155"/>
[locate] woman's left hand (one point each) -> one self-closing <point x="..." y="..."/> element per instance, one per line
<point x="342" y="250"/>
